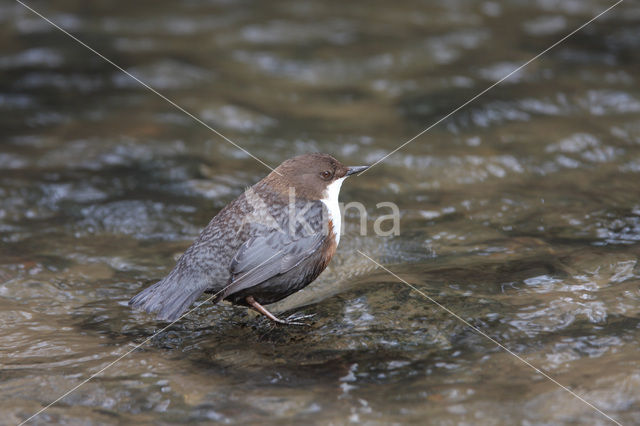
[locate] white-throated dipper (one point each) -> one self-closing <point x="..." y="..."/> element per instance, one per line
<point x="268" y="243"/>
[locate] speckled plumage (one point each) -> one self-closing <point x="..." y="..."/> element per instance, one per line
<point x="268" y="243"/>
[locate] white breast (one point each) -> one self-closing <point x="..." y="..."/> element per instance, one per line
<point x="331" y="201"/>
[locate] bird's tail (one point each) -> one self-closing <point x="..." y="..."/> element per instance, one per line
<point x="168" y="298"/>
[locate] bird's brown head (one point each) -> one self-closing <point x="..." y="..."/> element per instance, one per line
<point x="310" y="174"/>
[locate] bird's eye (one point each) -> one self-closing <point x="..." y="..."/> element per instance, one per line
<point x="326" y="175"/>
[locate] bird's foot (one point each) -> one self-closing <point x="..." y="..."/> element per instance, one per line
<point x="296" y="319"/>
<point x="291" y="320"/>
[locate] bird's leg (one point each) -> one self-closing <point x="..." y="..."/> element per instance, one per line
<point x="258" y="307"/>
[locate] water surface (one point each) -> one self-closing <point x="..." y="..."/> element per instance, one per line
<point x="520" y="213"/>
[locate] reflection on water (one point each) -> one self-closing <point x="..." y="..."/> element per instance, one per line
<point x="521" y="212"/>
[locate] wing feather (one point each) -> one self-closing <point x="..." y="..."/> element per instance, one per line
<point x="263" y="257"/>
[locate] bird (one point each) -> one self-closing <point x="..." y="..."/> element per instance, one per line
<point x="270" y="242"/>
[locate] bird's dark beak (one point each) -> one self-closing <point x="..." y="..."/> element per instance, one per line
<point x="355" y="169"/>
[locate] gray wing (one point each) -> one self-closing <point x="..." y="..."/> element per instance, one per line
<point x="265" y="256"/>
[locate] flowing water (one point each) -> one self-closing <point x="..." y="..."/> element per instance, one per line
<point x="520" y="212"/>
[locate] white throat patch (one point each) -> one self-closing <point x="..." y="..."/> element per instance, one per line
<point x="331" y="201"/>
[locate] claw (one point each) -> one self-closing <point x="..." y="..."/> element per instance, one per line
<point x="291" y="320"/>
<point x="296" y="319"/>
